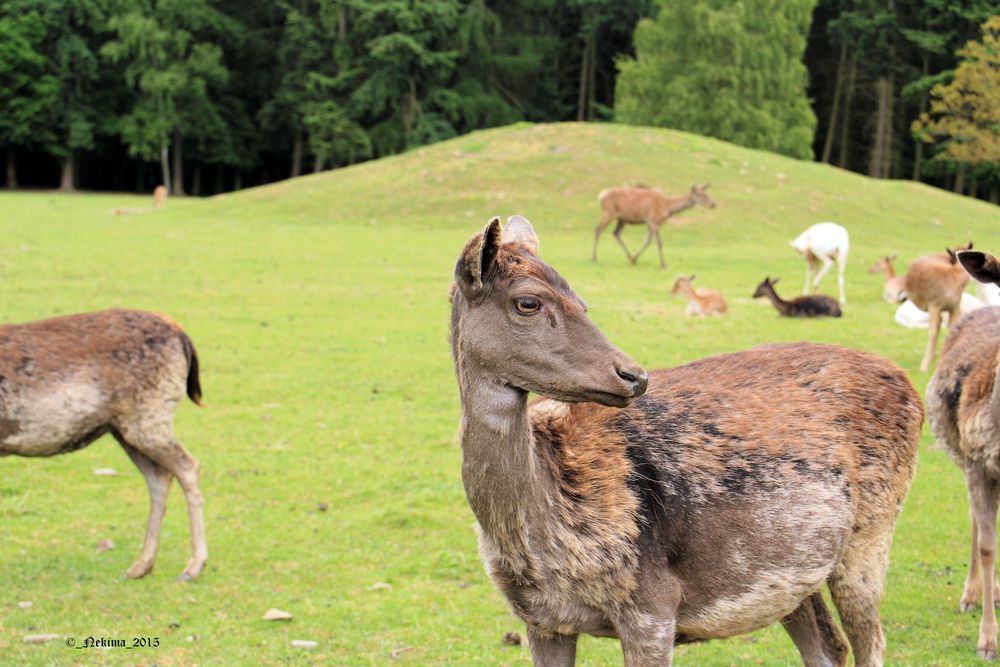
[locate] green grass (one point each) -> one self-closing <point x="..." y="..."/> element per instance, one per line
<point x="319" y="310"/>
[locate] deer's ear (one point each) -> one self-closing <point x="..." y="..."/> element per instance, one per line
<point x="519" y="230"/>
<point x="893" y="257"/>
<point x="982" y="266"/>
<point x="477" y="257"/>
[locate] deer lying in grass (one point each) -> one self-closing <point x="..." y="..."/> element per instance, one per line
<point x="935" y="283"/>
<point x="66" y="381"/>
<point x="812" y="305"/>
<point x="639" y="205"/>
<point x="700" y="505"/>
<point x="826" y="243"/>
<point x="701" y="300"/>
<point x="963" y="409"/>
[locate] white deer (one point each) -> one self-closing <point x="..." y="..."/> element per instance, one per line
<point x="826" y="243"/>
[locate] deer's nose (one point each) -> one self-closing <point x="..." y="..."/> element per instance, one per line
<point x="636" y="378"/>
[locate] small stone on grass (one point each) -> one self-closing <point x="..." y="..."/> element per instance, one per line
<point x="105" y="472"/>
<point x="40" y="638"/>
<point x="275" y="614"/>
<point x="304" y="643"/>
<point x="511" y="639"/>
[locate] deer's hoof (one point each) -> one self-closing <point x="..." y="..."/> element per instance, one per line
<point x="138" y="570"/>
<point x="965" y="606"/>
<point x="987" y="653"/>
<point x="185" y="577"/>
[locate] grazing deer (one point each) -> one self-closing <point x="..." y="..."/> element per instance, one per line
<point x="701" y="300"/>
<point x="963" y="409"/>
<point x="640" y="205"/>
<point x="694" y="503"/>
<point x="66" y="381"/>
<point x="826" y="243"/>
<point x="812" y="305"/>
<point x="935" y="283"/>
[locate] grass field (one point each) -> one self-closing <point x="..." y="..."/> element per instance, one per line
<point x="319" y="311"/>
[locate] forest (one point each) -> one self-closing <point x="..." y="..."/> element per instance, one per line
<point x="207" y="96"/>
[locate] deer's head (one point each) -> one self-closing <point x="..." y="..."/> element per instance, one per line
<point x="521" y="324"/>
<point x="700" y="196"/>
<point x="765" y="287"/>
<point x="882" y="264"/>
<point x="680" y="283"/>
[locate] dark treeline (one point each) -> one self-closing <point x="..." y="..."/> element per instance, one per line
<point x="214" y="95"/>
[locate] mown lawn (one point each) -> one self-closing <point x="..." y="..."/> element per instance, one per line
<point x="319" y="311"/>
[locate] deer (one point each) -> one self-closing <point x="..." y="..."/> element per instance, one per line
<point x="641" y="205"/>
<point x="701" y="300"/>
<point x="67" y="381"/>
<point x="826" y="243"/>
<point x="685" y="504"/>
<point x="159" y="196"/>
<point x="894" y="290"/>
<point x="963" y="410"/>
<point x="810" y="305"/>
<point x="935" y="283"/>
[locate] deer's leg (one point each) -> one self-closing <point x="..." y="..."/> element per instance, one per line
<point x="816" y="635"/>
<point x="809" y="275"/>
<point x="645" y="244"/>
<point x="648" y="640"/>
<point x="158" y="481"/>
<point x="605" y="221"/>
<point x="155" y="439"/>
<point x="983" y="499"/>
<point x="659" y="247"/>
<point x="557" y="651"/>
<point x="841" y="264"/>
<point x="827" y="263"/>
<point x="856" y="586"/>
<point x="973" y="591"/>
<point x="618" y="237"/>
<point x="933" y="329"/>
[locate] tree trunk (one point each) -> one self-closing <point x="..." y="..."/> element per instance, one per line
<point x="342" y="23"/>
<point x="887" y="154"/>
<point x="317" y="164"/>
<point x="67" y="183"/>
<point x="831" y="127"/>
<point x="846" y="122"/>
<point x="297" y="153"/>
<point x="178" y="190"/>
<point x="960" y="181"/>
<point x="165" y="166"/>
<point x="220" y="179"/>
<point x="11" y="170"/>
<point x="581" y="98"/>
<point x="974" y="187"/>
<point x="876" y="163"/>
<point x="196" y="180"/>
<point x="994" y="194"/>
<point x="592" y="78"/>
<point x="918" y="155"/>
<point x="237" y="180"/>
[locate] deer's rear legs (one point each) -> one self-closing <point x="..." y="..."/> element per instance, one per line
<point x="158" y="482"/>
<point x="983" y="497"/>
<point x="815" y="634"/>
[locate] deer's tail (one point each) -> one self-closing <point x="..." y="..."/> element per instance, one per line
<point x="193" y="382"/>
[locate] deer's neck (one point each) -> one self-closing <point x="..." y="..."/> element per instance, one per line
<point x="688" y="290"/>
<point x="503" y="480"/>
<point x="678" y="205"/>
<point x="889" y="273"/>
<point x="780" y="304"/>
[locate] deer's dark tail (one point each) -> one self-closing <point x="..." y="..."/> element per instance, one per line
<point x="193" y="383"/>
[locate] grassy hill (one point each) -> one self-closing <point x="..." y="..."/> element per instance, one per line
<point x="319" y="310"/>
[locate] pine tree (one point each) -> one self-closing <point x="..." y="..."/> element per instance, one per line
<point x="728" y="70"/>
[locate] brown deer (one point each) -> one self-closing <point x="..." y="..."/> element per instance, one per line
<point x="701" y="300"/>
<point x="694" y="503"/>
<point x="640" y="205"/>
<point x="893" y="291"/>
<point x="66" y="381"/>
<point x="810" y="305"/>
<point x="963" y="409"/>
<point x="935" y="283"/>
<point x="159" y="196"/>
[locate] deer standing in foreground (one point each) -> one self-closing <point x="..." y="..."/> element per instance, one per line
<point x="811" y="305"/>
<point x="963" y="409"/>
<point x="701" y="300"/>
<point x="639" y="205"/>
<point x="66" y="381"/>
<point x="826" y="243"/>
<point x="935" y="283"/>
<point x="694" y="503"/>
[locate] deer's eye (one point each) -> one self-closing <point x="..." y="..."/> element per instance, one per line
<point x="527" y="305"/>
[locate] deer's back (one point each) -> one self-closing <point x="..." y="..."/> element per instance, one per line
<point x="65" y="380"/>
<point x="633" y="204"/>
<point x="934" y="280"/>
<point x="814" y="305"/>
<point x="960" y="405"/>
